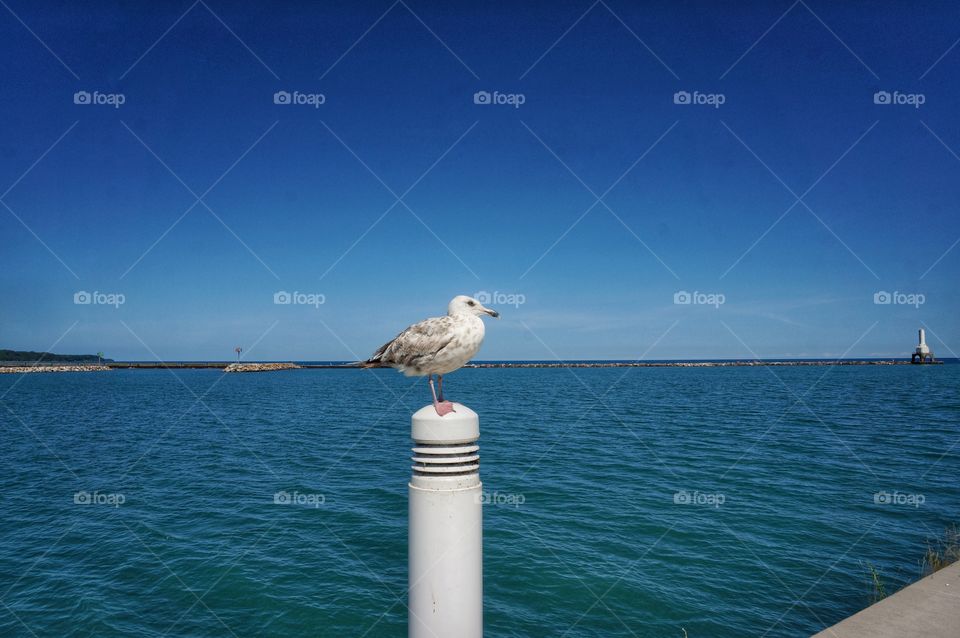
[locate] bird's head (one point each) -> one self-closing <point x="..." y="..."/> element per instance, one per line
<point x="462" y="304"/>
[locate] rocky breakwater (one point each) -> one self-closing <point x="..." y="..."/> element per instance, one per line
<point x="50" y="368"/>
<point x="686" y="364"/>
<point x="260" y="367"/>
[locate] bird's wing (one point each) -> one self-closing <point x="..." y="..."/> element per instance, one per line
<point x="423" y="339"/>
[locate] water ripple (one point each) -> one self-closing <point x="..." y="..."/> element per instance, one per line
<point x="726" y="501"/>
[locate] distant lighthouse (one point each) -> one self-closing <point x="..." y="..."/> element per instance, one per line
<point x="922" y="354"/>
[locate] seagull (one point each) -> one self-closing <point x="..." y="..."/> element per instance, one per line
<point x="436" y="346"/>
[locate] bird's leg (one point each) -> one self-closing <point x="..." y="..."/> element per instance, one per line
<point x="442" y="407"/>
<point x="440" y="388"/>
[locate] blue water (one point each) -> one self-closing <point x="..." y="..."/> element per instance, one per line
<point x="781" y="466"/>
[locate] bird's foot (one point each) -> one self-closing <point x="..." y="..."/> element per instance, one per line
<point x="443" y="407"/>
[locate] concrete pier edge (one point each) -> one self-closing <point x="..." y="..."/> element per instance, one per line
<point x="929" y="607"/>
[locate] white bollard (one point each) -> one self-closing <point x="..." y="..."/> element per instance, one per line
<point x="445" y="526"/>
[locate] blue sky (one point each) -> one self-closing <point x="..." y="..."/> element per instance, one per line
<point x="794" y="202"/>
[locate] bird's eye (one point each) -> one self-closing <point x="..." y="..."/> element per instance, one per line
<point x="470" y="303"/>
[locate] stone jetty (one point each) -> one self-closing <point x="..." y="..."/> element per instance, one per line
<point x="685" y="364"/>
<point x="260" y="367"/>
<point x="264" y="367"/>
<point x="51" y="368"/>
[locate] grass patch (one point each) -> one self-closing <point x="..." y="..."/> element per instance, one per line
<point x="878" y="591"/>
<point x="942" y="551"/>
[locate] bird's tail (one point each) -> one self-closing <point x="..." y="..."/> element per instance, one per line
<point x="369" y="363"/>
<point x="376" y="360"/>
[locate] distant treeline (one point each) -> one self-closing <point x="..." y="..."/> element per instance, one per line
<point x="30" y="356"/>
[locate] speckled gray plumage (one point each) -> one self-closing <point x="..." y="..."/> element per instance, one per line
<point x="438" y="345"/>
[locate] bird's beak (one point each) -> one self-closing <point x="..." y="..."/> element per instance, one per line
<point x="492" y="313"/>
